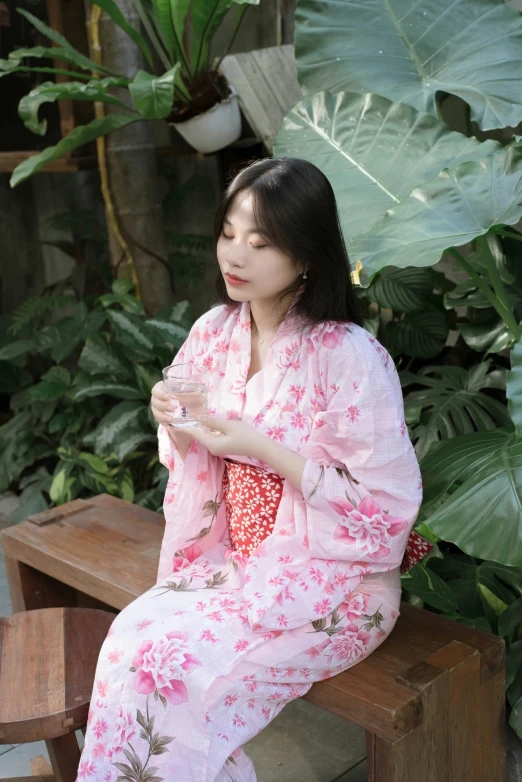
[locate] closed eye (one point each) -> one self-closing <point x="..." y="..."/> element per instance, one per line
<point x="254" y="246"/>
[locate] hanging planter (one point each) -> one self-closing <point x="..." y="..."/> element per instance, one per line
<point x="215" y="128"/>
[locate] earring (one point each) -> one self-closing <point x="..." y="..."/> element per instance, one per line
<point x="304" y="276"/>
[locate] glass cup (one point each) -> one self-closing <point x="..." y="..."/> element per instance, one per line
<point x="187" y="387"/>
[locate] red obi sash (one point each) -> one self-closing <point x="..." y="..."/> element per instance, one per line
<point x="252" y="497"/>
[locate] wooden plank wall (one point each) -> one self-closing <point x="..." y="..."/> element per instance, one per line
<point x="266" y="82"/>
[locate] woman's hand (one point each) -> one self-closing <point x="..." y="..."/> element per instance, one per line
<point x="162" y="407"/>
<point x="227" y="437"/>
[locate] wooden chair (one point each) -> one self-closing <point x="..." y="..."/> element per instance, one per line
<point x="47" y="664"/>
<point x="431" y="698"/>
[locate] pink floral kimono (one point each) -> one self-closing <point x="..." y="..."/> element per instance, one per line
<point x="200" y="663"/>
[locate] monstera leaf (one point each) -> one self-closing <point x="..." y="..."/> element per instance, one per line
<point x="473" y="494"/>
<point x="374" y="152"/>
<point x="452" y="403"/>
<point x="408" y="51"/>
<point x="457" y="206"/>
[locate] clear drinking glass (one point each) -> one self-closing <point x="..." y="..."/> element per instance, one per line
<point x="187" y="387"/>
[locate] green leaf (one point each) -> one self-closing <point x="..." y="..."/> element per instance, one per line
<point x="170" y="333"/>
<point x="122" y="287"/>
<point x="467" y="579"/>
<point x="50" y="91"/>
<point x="80" y="135"/>
<point x="475" y="484"/>
<point x="153" y="96"/>
<point x="374" y="152"/>
<point x="515" y="718"/>
<point x="403" y="290"/>
<point x="131" y="330"/>
<point x="513" y="661"/>
<point x="46" y="392"/>
<point x="492" y="600"/>
<point x="128" y="303"/>
<point x="410" y="51"/>
<point x="64" y="50"/>
<point x="121" y="429"/>
<point x="112" y="10"/>
<point x="427" y="585"/>
<point x="94" y="463"/>
<point x="490" y="335"/>
<point x="514" y="387"/>
<point x="511" y="618"/>
<point x="419" y="334"/>
<point x="452" y="403"/>
<point x="15" y="349"/>
<point x="57" y="487"/>
<point x="456" y="207"/>
<point x="99" y="387"/>
<point x="99" y="357"/>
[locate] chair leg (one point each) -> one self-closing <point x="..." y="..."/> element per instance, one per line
<point x="64" y="754"/>
<point x="40" y="767"/>
<point x="461" y="737"/>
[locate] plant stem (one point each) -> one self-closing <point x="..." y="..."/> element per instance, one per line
<point x="498" y="284"/>
<point x="156" y="42"/>
<point x="506" y="316"/>
<point x="240" y="11"/>
<point x="509" y="235"/>
<point x="203" y="34"/>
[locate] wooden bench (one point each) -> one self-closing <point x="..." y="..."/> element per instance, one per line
<point x="431" y="697"/>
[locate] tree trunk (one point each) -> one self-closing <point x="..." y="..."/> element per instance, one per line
<point x="133" y="176"/>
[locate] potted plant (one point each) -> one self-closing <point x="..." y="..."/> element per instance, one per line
<point x="180" y="84"/>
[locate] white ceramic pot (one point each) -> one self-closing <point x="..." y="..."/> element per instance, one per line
<point x="214" y="129"/>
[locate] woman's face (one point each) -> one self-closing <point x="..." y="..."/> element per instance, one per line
<point x="243" y="252"/>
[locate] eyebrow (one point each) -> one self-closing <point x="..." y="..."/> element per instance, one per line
<point x="252" y="231"/>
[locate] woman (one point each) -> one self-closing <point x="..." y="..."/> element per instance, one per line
<point x="287" y="514"/>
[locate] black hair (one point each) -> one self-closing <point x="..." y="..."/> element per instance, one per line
<point x="295" y="210"/>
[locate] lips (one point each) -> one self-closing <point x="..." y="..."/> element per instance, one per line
<point x="231" y="278"/>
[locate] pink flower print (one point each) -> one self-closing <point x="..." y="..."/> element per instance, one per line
<point x="235" y="347"/>
<point x="298" y="421"/>
<point x="333" y="336"/>
<point x="115" y="656"/>
<point x="202" y="476"/>
<point x="86" y="768"/>
<point x="316" y="575"/>
<point x="207" y="635"/>
<point x="251" y="703"/>
<point x="99" y="728"/>
<point x="161" y="665"/>
<point x="323" y="607"/>
<point x="286" y="559"/>
<point x="201" y="605"/>
<point x="355" y="607"/>
<point x="314" y="651"/>
<point x="205" y="336"/>
<point x="125" y="728"/>
<point x="236" y="556"/>
<point x="168" y="461"/>
<point x="282" y="620"/>
<point x="230" y="700"/>
<point x="319" y="423"/>
<point x="353" y="413"/>
<point x="98" y="751"/>
<point x="143" y="624"/>
<point x="367" y="527"/>
<point x="208" y="362"/>
<point x="318" y="391"/>
<point x="349" y="644"/>
<point x="241" y="645"/>
<point x="221" y="346"/>
<point x="193" y="447"/>
<point x="103" y="688"/>
<point x="258" y="419"/>
<point x="216" y="616"/>
<point x="190" y="553"/>
<point x="402" y="428"/>
<point x="335" y="388"/>
<point x="232" y="414"/>
<point x="238" y="721"/>
<point x="297" y="392"/>
<point x="277" y="433"/>
<point x="266" y="712"/>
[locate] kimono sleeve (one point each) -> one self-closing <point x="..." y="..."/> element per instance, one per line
<point x="360" y="495"/>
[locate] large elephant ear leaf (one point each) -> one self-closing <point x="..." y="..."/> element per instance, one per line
<point x="409" y="51"/>
<point x="456" y="207"/>
<point x="514" y="387"/>
<point x="373" y="151"/>
<point x="473" y="494"/>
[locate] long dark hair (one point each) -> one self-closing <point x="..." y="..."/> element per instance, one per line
<point x="295" y="210"/>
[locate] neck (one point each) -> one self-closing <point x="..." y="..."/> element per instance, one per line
<point x="265" y="315"/>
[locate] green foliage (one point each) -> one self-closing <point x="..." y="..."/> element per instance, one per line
<point x="150" y="96"/>
<point x="83" y="425"/>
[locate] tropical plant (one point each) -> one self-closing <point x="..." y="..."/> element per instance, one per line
<point x="179" y="78"/>
<point x="79" y="382"/>
<point x="411" y="187"/>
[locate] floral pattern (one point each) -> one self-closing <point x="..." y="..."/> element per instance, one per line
<point x="226" y="637"/>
